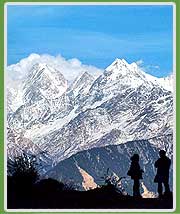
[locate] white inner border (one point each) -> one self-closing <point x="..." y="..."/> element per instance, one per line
<point x="174" y="106"/>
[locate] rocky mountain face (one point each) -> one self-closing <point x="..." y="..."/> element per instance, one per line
<point x="122" y="105"/>
<point x="116" y="158"/>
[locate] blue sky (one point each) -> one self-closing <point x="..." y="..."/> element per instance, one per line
<point x="95" y="35"/>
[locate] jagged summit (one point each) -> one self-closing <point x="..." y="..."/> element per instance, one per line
<point x="117" y="65"/>
<point x="121" y="70"/>
<point x="82" y="83"/>
<point x="44" y="81"/>
<point x="81" y="78"/>
<point x="120" y="63"/>
<point x="119" y="76"/>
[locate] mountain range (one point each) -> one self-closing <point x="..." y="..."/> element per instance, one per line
<point x="92" y="124"/>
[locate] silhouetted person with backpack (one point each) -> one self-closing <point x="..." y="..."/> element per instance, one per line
<point x="162" y="176"/>
<point x="136" y="174"/>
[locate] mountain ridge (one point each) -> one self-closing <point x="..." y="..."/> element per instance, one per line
<point x="122" y="104"/>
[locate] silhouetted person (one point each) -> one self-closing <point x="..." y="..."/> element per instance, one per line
<point x="162" y="176"/>
<point x="136" y="174"/>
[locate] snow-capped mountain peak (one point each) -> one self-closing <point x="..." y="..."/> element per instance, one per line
<point x="118" y="65"/>
<point x="82" y="83"/>
<point x="120" y="74"/>
<point x="81" y="78"/>
<point x="44" y="82"/>
<point x="121" y="69"/>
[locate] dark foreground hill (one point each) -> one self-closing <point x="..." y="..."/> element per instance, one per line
<point x="50" y="194"/>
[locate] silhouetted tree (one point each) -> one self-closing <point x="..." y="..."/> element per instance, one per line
<point x="22" y="174"/>
<point x="23" y="168"/>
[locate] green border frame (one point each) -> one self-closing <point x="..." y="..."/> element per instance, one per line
<point x="2" y="2"/>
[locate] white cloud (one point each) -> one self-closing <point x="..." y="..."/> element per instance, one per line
<point x="140" y="62"/>
<point x="145" y="67"/>
<point x="150" y="67"/>
<point x="69" y="68"/>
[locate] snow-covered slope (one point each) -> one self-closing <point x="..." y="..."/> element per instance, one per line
<point x="168" y="82"/>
